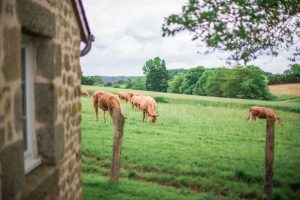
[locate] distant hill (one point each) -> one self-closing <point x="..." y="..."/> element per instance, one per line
<point x="114" y="79"/>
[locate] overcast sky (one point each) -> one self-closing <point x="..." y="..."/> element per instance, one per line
<point x="128" y="33"/>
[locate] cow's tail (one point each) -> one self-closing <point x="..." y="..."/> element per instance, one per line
<point x="95" y="102"/>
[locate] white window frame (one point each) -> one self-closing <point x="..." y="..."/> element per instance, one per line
<point x="31" y="157"/>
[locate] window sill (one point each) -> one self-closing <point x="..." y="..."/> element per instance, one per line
<point x="31" y="163"/>
<point x="39" y="181"/>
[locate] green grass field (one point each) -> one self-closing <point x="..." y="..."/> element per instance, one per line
<point x="200" y="148"/>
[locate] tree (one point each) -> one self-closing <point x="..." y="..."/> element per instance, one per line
<point x="199" y="88"/>
<point x="129" y="83"/>
<point x="87" y="80"/>
<point x="175" y="83"/>
<point x="190" y="79"/>
<point x="247" y="28"/>
<point x="139" y="84"/>
<point x="292" y="75"/>
<point x="247" y="83"/>
<point x="215" y="82"/>
<point x="97" y="80"/>
<point x="156" y="75"/>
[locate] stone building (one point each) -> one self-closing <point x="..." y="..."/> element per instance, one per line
<point x="40" y="133"/>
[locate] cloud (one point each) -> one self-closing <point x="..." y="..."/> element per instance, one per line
<point x="128" y="33"/>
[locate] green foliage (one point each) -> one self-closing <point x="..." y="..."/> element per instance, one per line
<point x="240" y="82"/>
<point x="174" y="72"/>
<point x="156" y="75"/>
<point x="108" y="84"/>
<point x="190" y="80"/>
<point x="91" y="80"/>
<point x="247" y="29"/>
<point x="246" y="83"/>
<point x="175" y="83"/>
<point x="291" y="75"/>
<point x="160" y="99"/>
<point x="137" y="83"/>
<point x="199" y="88"/>
<point x="87" y="80"/>
<point x="215" y="82"/>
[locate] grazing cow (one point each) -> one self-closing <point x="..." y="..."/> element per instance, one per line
<point x="125" y="96"/>
<point x="107" y="102"/>
<point x="84" y="93"/>
<point x="148" y="107"/>
<point x="136" y="101"/>
<point x="263" y="113"/>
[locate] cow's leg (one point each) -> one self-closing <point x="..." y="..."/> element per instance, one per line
<point x="95" y="103"/>
<point x="143" y="116"/>
<point x="104" y="119"/>
<point x="96" y="113"/>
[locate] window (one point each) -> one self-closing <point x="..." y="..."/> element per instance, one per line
<point x="31" y="157"/>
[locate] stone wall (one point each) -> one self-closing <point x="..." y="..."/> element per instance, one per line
<point x="11" y="147"/>
<point x="53" y="25"/>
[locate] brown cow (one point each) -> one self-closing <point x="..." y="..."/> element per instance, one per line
<point x="136" y="101"/>
<point x="264" y="113"/>
<point x="148" y="107"/>
<point x="125" y="95"/>
<point x="107" y="102"/>
<point x="84" y="93"/>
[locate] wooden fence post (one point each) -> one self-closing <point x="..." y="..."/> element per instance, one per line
<point x="118" y="123"/>
<point x="269" y="158"/>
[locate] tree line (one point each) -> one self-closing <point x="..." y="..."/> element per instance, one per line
<point x="247" y="82"/>
<point x="291" y="75"/>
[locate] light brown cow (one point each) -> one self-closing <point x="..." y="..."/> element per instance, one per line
<point x="107" y="102"/>
<point x="125" y="96"/>
<point x="84" y="93"/>
<point x="148" y="107"/>
<point x="264" y="113"/>
<point x="136" y="101"/>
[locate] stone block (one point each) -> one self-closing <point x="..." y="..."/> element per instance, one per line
<point x="67" y="62"/>
<point x="48" y="60"/>
<point x="11" y="46"/>
<point x="35" y="18"/>
<point x="41" y="182"/>
<point x="51" y="143"/>
<point x="45" y="103"/>
<point x="12" y="161"/>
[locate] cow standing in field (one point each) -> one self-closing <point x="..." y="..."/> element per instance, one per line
<point x="136" y="101"/>
<point x="264" y="113"/>
<point x="125" y="96"/>
<point x="84" y="93"/>
<point x="148" y="107"/>
<point x="107" y="102"/>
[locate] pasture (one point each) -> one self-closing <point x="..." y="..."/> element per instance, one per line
<point x="200" y="148"/>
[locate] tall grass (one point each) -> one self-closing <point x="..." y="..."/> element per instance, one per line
<point x="200" y="148"/>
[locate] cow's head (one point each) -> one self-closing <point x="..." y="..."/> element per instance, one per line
<point x="278" y="120"/>
<point x="153" y="118"/>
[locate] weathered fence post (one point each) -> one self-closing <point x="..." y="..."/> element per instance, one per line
<point x="269" y="158"/>
<point x="118" y="123"/>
